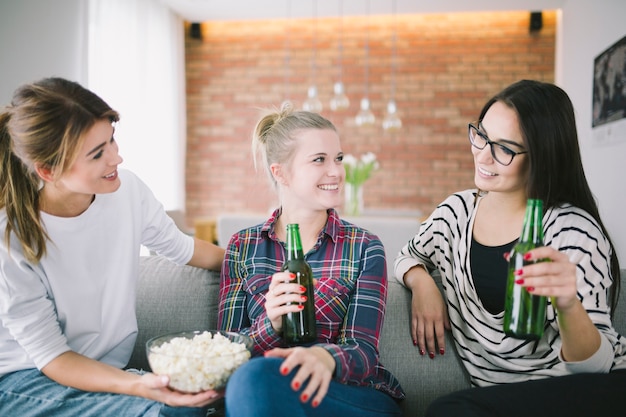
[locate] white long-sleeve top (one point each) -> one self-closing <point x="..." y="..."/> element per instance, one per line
<point x="490" y="357"/>
<point x="81" y="296"/>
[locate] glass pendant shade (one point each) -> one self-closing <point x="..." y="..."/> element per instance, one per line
<point x="392" y="121"/>
<point x="312" y="103"/>
<point x="340" y="100"/>
<point x="365" y="117"/>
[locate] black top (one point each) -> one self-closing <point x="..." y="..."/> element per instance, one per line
<point x="489" y="271"/>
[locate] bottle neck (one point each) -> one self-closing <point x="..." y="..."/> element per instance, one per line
<point x="532" y="231"/>
<point x="294" y="242"/>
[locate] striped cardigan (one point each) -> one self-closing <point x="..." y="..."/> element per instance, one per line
<point x="489" y="356"/>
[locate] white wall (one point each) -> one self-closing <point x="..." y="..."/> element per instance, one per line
<point x="587" y="29"/>
<point x="42" y="38"/>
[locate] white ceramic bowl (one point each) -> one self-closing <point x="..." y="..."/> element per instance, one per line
<point x="197" y="361"/>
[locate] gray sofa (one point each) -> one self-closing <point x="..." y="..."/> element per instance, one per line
<point x="174" y="298"/>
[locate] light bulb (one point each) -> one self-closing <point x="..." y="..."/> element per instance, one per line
<point x="365" y="116"/>
<point x="392" y="121"/>
<point x="312" y="103"/>
<point x="340" y="100"/>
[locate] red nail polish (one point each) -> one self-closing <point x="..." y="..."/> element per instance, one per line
<point x="296" y="385"/>
<point x="519" y="272"/>
<point x="422" y="352"/>
<point x="315" y="403"/>
<point x="527" y="256"/>
<point x="530" y="289"/>
<point x="292" y="275"/>
<point x="431" y="355"/>
<point x="304" y="398"/>
<point x="519" y="281"/>
<point x="442" y="351"/>
<point x="415" y="343"/>
<point x="302" y="289"/>
<point x="284" y="371"/>
<point x="300" y="307"/>
<point x="303" y="298"/>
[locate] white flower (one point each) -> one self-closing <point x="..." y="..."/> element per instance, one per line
<point x="358" y="171"/>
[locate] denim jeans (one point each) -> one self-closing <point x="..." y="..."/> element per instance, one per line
<point x="30" y="393"/>
<point x="257" y="389"/>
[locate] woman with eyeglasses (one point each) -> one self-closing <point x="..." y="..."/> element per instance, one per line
<point x="525" y="146"/>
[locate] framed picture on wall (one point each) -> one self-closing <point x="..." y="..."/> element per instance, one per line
<point x="609" y="85"/>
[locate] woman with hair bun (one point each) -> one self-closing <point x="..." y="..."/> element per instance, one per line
<point x="339" y="374"/>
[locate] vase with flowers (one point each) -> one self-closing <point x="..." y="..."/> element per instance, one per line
<point x="357" y="172"/>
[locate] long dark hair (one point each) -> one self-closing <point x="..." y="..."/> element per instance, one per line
<point x="548" y="125"/>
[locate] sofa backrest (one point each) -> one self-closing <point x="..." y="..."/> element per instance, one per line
<point x="172" y="298"/>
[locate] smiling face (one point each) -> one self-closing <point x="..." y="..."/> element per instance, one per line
<point x="501" y="125"/>
<point x="313" y="179"/>
<point x="94" y="171"/>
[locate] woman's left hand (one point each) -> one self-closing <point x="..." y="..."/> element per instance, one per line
<point x="316" y="366"/>
<point x="555" y="279"/>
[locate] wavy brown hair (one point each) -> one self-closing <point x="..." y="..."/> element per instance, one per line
<point x="43" y="126"/>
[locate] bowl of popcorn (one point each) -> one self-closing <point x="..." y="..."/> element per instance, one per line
<point x="198" y="361"/>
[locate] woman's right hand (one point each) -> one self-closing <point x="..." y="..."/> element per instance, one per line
<point x="155" y="387"/>
<point x="280" y="292"/>
<point x="429" y="314"/>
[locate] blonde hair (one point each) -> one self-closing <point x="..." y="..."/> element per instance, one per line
<point x="274" y="136"/>
<point x="43" y="126"/>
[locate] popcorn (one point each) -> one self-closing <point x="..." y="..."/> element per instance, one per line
<point x="199" y="363"/>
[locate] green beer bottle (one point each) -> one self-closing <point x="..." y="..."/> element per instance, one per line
<point x="299" y="327"/>
<point x="525" y="313"/>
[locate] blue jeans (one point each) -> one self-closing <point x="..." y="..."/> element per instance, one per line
<point x="30" y="393"/>
<point x="257" y="389"/>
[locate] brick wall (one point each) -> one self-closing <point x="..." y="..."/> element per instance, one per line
<point x="448" y="65"/>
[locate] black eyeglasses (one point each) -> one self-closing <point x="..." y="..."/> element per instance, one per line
<point x="501" y="153"/>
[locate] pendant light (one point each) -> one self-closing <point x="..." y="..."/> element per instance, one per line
<point x="392" y="121"/>
<point x="340" y="100"/>
<point x="312" y="102"/>
<point x="365" y="116"/>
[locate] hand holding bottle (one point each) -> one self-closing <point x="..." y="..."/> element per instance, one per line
<point x="283" y="296"/>
<point x="555" y="279"/>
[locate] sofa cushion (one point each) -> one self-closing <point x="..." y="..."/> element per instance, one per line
<point x="172" y="298"/>
<point x="422" y="378"/>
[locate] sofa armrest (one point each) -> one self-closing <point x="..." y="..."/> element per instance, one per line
<point x="172" y="298"/>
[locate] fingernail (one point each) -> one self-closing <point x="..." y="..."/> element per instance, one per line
<point x="530" y="289"/>
<point x="300" y="307"/>
<point x="519" y="272"/>
<point x="442" y="351"/>
<point x="284" y="371"/>
<point x="315" y="403"/>
<point x="519" y="281"/>
<point x="415" y="343"/>
<point x="302" y="289"/>
<point x="431" y="355"/>
<point x="304" y="398"/>
<point x="527" y="256"/>
<point x="303" y="297"/>
<point x="292" y="275"/>
<point x="296" y="385"/>
<point x="422" y="352"/>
